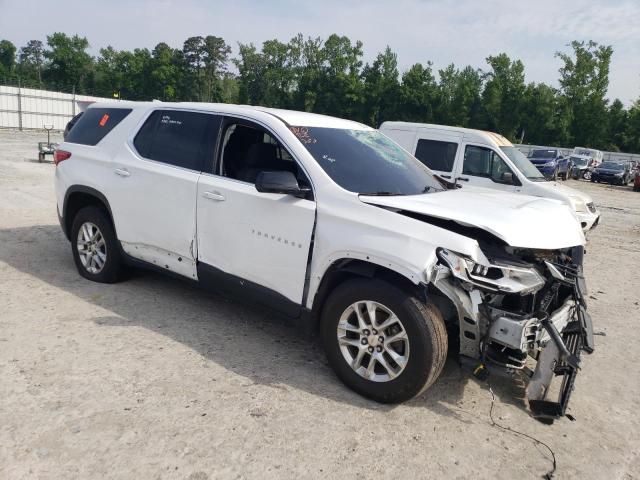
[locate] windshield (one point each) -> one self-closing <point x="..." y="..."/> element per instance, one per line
<point x="579" y="162"/>
<point x="523" y="164"/>
<point x="367" y="162"/>
<point x="612" y="166"/>
<point x="543" y="154"/>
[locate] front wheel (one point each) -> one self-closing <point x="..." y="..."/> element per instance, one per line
<point x="586" y="175"/>
<point x="382" y="342"/>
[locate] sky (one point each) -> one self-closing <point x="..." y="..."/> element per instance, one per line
<point x="463" y="32"/>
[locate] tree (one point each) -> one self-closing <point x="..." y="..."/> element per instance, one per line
<point x="459" y="97"/>
<point x="542" y="118"/>
<point x="381" y="89"/>
<point x="7" y="58"/>
<point x="31" y="61"/>
<point x="584" y="80"/>
<point x="123" y="73"/>
<point x="618" y="119"/>
<point x="503" y="94"/>
<point x="69" y="64"/>
<point x="418" y="94"/>
<point x="633" y="128"/>
<point x="166" y="72"/>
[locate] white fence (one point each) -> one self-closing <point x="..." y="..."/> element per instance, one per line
<point x="615" y="156"/>
<point x="27" y="108"/>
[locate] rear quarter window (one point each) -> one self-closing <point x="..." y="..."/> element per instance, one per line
<point x="95" y="124"/>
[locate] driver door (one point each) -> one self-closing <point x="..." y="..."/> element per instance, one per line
<point x="252" y="243"/>
<point x="483" y="167"/>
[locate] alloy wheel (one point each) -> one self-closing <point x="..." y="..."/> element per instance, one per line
<point x="373" y="341"/>
<point x="92" y="248"/>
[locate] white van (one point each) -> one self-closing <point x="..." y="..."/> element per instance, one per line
<point x="596" y="156"/>
<point x="484" y="159"/>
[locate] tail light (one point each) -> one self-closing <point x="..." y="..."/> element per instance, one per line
<point x="60" y="155"/>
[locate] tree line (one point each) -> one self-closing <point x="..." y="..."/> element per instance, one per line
<point x="330" y="76"/>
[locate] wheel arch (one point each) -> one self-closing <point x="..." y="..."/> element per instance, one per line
<point x="78" y="197"/>
<point x="344" y="269"/>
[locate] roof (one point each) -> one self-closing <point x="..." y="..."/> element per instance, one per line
<point x="290" y="117"/>
<point x="491" y="136"/>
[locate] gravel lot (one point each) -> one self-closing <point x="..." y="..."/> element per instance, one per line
<point x="153" y="378"/>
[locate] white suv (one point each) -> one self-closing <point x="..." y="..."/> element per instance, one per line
<point x="328" y="220"/>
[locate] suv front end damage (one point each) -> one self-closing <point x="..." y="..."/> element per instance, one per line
<point x="522" y="310"/>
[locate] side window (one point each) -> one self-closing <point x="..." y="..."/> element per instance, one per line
<point x="484" y="162"/>
<point x="94" y="124"/>
<point x="248" y="150"/>
<point x="183" y="139"/>
<point x="437" y="155"/>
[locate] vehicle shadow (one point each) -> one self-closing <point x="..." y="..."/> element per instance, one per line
<point x="236" y="336"/>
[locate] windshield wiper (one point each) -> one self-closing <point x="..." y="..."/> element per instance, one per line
<point x="380" y="194"/>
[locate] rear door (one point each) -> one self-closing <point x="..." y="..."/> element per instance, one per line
<point x="153" y="198"/>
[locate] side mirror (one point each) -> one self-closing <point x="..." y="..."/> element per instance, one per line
<point x="508" y="178"/>
<point x="280" y="182"/>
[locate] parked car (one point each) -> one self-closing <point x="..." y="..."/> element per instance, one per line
<point x="485" y="159"/>
<point x="581" y="167"/>
<point x="616" y="173"/>
<point x="551" y="163"/>
<point x="328" y="220"/>
<point x="636" y="181"/>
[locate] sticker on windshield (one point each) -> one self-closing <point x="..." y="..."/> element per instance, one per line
<point x="303" y="135"/>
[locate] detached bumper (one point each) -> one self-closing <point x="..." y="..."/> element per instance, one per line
<point x="560" y="357"/>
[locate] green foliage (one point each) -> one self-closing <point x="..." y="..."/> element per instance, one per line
<point x="584" y="79"/>
<point x="68" y="63"/>
<point x="7" y="57"/>
<point x="329" y="76"/>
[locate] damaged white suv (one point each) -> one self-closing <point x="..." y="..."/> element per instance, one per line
<point x="330" y="221"/>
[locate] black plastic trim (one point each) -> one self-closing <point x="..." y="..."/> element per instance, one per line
<point x="212" y="278"/>
<point x="89" y="191"/>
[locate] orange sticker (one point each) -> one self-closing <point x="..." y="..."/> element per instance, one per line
<point x="104" y="119"/>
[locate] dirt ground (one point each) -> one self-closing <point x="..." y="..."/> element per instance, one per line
<point x="153" y="378"/>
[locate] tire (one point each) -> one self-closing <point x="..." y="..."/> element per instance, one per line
<point x="563" y="176"/>
<point x="586" y="175"/>
<point x="425" y="348"/>
<point x="105" y="268"/>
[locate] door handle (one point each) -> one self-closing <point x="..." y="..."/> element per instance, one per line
<point x="445" y="176"/>
<point x="464" y="179"/>
<point x="123" y="172"/>
<point x="213" y="196"/>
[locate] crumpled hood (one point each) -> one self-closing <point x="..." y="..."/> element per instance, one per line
<point x="519" y="220"/>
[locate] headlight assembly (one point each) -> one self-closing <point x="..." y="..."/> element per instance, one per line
<point x="578" y="204"/>
<point x="495" y="277"/>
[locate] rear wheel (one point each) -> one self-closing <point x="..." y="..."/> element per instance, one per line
<point x="381" y="341"/>
<point x="94" y="245"/>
